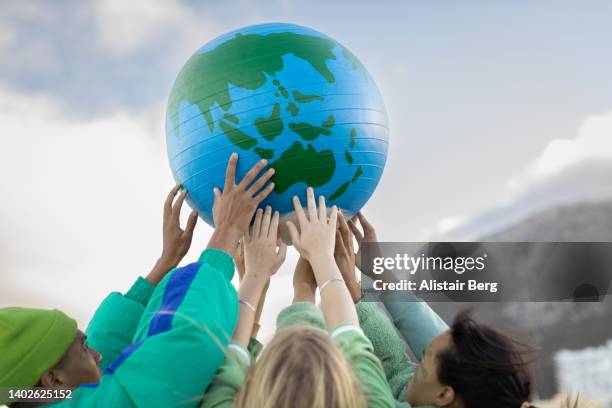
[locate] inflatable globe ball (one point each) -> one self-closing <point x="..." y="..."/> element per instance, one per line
<point x="287" y="94"/>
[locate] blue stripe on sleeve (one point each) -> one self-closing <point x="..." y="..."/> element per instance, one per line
<point x="124" y="354"/>
<point x="174" y="293"/>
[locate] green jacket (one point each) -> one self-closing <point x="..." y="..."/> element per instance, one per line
<point x="355" y="346"/>
<point x="161" y="347"/>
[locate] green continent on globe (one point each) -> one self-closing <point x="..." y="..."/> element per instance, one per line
<point x="269" y="128"/>
<point x="300" y="164"/>
<point x="292" y="108"/>
<point x="310" y="132"/>
<point x="264" y="153"/>
<point x="238" y="137"/>
<point x="302" y="98"/>
<point x="244" y="61"/>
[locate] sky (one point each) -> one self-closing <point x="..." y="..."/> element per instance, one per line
<point x="497" y="109"/>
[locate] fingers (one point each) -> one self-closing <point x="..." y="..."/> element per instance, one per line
<point x="169" y="200"/>
<point x="176" y="208"/>
<point x="339" y="248"/>
<point x="282" y="250"/>
<point x="265" y="223"/>
<point x="230" y="172"/>
<point x="217" y="194"/>
<point x="252" y="173"/>
<point x="299" y="212"/>
<point x="345" y="232"/>
<point x="355" y="231"/>
<point x="191" y="223"/>
<point x="259" y="183"/>
<point x="247" y="238"/>
<point x="322" y="209"/>
<point x="293" y="232"/>
<point x="311" y="205"/>
<point x="257" y="223"/>
<point x="273" y="232"/>
<point x="333" y="217"/>
<point x="264" y="193"/>
<point x="364" y="222"/>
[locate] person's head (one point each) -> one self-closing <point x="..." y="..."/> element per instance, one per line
<point x="471" y="365"/>
<point x="44" y="348"/>
<point x="79" y="365"/>
<point x="301" y="368"/>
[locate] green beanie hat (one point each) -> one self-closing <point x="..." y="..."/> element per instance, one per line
<point x="31" y="342"/>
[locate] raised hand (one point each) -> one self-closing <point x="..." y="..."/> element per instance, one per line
<point x="344" y="254"/>
<point x="316" y="236"/>
<point x="315" y="242"/>
<point x="261" y="257"/>
<point x="176" y="241"/>
<point x="233" y="207"/>
<point x="368" y="235"/>
<point x="264" y="253"/>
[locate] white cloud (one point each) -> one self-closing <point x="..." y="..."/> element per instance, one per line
<point x="81" y="202"/>
<point x="125" y="26"/>
<point x="566" y="171"/>
<point x="593" y="142"/>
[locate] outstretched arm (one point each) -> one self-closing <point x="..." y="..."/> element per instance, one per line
<point x="388" y="346"/>
<point x="315" y="242"/>
<point x="415" y="320"/>
<point x="113" y="326"/>
<point x="262" y="259"/>
<point x="193" y="311"/>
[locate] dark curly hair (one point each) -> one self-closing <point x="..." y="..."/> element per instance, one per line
<point x="484" y="367"/>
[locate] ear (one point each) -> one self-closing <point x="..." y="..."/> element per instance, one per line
<point x="445" y="396"/>
<point x="50" y="379"/>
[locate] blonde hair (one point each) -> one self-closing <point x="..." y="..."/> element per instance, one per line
<point x="301" y="368"/>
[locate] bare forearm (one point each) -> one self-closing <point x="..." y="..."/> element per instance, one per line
<point x="336" y="301"/>
<point x="250" y="293"/>
<point x="259" y="311"/>
<point x="160" y="269"/>
<point x="303" y="292"/>
<point x="224" y="239"/>
<point x="244" y="327"/>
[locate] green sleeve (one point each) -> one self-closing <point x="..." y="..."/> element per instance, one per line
<point x="368" y="371"/>
<point x="180" y="341"/>
<point x="114" y="323"/>
<point x="300" y="314"/>
<point x="388" y="346"/>
<point x="255" y="348"/>
<point x="227" y="382"/>
<point x="415" y="320"/>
